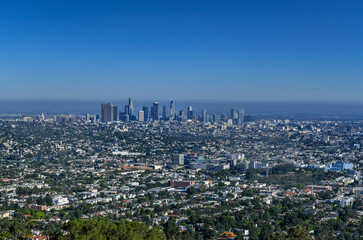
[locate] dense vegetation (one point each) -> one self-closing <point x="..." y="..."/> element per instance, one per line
<point x="101" y="228"/>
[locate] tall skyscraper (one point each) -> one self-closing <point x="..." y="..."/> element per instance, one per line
<point x="141" y="115"/>
<point x="146" y="112"/>
<point x="204" y="116"/>
<point x="127" y="110"/>
<point x="131" y="107"/>
<point x="155" y="111"/>
<point x="114" y="113"/>
<point x="215" y="118"/>
<point x="241" y="116"/>
<point x="190" y="112"/>
<point x="172" y="109"/>
<point x="234" y="114"/>
<point x="182" y="115"/>
<point x="106" y="112"/>
<point x="165" y="113"/>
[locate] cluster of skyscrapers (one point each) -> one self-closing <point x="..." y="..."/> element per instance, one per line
<point x="109" y="113"/>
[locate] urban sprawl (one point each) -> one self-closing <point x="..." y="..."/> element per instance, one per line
<point x="179" y="176"/>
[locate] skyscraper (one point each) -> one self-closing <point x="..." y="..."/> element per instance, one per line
<point x="141" y="115"/>
<point x="190" y="112"/>
<point x="127" y="110"/>
<point x="172" y="109"/>
<point x="106" y="112"/>
<point x="114" y="113"/>
<point x="204" y="116"/>
<point x="146" y="112"/>
<point x="131" y="107"/>
<point x="241" y="116"/>
<point x="182" y="115"/>
<point x="165" y="113"/>
<point x="234" y="113"/>
<point x="155" y="111"/>
<point x="215" y="118"/>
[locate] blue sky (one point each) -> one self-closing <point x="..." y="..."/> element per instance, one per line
<point x="253" y="50"/>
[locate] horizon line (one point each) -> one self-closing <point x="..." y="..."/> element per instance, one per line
<point x="186" y="100"/>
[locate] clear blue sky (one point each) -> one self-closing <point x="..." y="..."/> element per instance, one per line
<point x="308" y="50"/>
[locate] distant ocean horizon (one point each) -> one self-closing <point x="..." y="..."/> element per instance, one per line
<point x="261" y="109"/>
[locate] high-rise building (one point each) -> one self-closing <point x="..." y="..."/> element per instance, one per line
<point x="141" y="116"/>
<point x="241" y="116"/>
<point x="131" y="107"/>
<point x="190" y="112"/>
<point x="172" y="109"/>
<point x="127" y="110"/>
<point x="224" y="117"/>
<point x="146" y="112"/>
<point x="87" y="117"/>
<point x="204" y="116"/>
<point x="182" y="115"/>
<point x="106" y="112"/>
<point x="215" y="118"/>
<point x="155" y="111"/>
<point x="165" y="113"/>
<point x="234" y="114"/>
<point x="114" y="113"/>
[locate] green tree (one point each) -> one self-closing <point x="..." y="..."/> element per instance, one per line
<point x="266" y="231"/>
<point x="298" y="233"/>
<point x="171" y="230"/>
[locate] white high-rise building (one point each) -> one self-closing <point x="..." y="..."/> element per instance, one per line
<point x="141" y="116"/>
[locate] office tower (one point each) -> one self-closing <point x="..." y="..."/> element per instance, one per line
<point x="224" y="117"/>
<point x="215" y="118"/>
<point x="208" y="117"/>
<point x="204" y="116"/>
<point x="126" y="118"/>
<point x="234" y="114"/>
<point x="177" y="159"/>
<point x="87" y="117"/>
<point x="155" y="111"/>
<point x="141" y="116"/>
<point x="241" y="116"/>
<point x="111" y="110"/>
<point x="131" y="107"/>
<point x="190" y="112"/>
<point x="115" y="114"/>
<point x="127" y="110"/>
<point x="146" y="112"/>
<point x="182" y="115"/>
<point x="172" y="110"/>
<point x="106" y="112"/>
<point x="165" y="113"/>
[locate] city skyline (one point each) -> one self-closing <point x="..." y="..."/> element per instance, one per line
<point x="109" y="113"/>
<point x="241" y="51"/>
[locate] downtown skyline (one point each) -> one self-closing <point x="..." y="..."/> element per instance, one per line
<point x="111" y="113"/>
